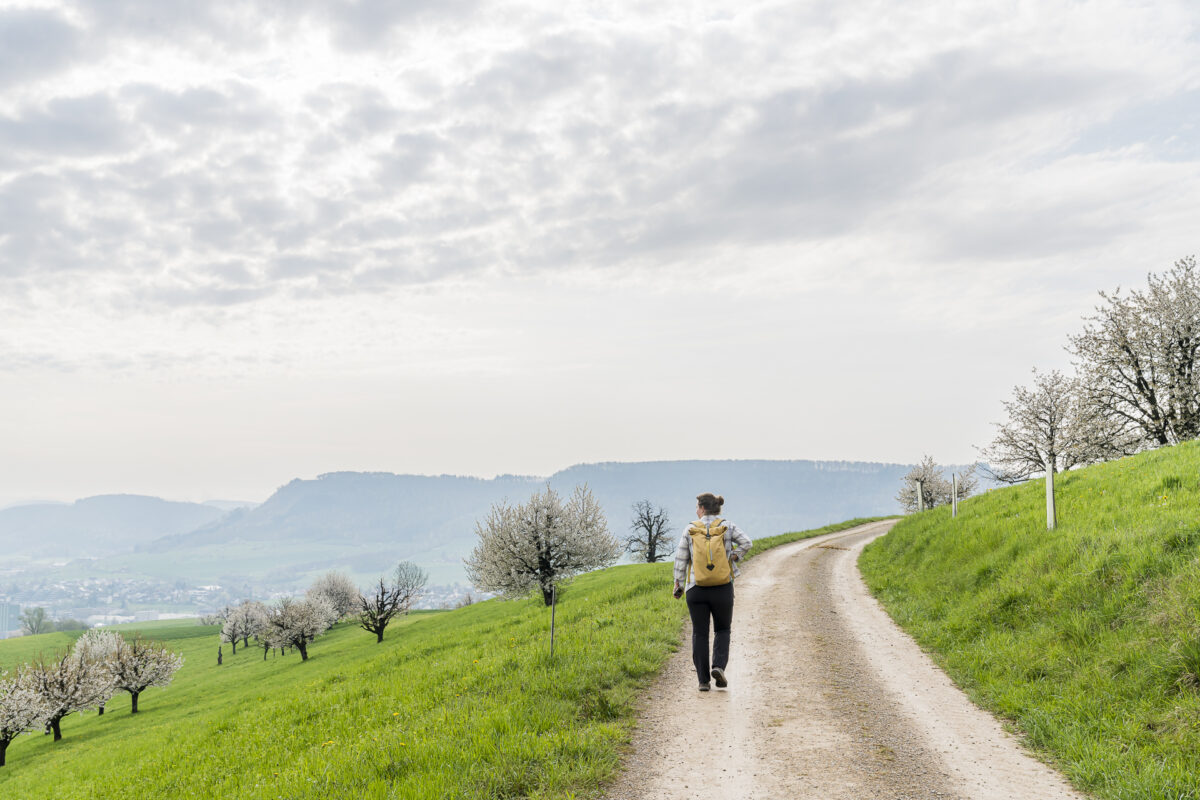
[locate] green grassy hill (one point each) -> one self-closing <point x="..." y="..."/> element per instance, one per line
<point x="1088" y="637"/>
<point x="458" y="704"/>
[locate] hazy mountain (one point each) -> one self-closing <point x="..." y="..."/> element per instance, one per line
<point x="96" y="526"/>
<point x="366" y="522"/>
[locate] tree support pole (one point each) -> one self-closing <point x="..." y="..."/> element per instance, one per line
<point x="1051" y="515"/>
<point x="553" y="608"/>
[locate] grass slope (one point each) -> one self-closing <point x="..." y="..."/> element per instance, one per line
<point x="460" y="704"/>
<point x="1088" y="637"/>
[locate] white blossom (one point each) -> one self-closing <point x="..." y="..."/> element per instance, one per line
<point x="926" y="479"/>
<point x="22" y="708"/>
<point x="1052" y="426"/>
<point x="140" y="664"/>
<point x="540" y="544"/>
<point x="243" y="621"/>
<point x="69" y="683"/>
<point x="295" y="623"/>
<point x="99" y="648"/>
<point x="338" y="590"/>
<point x="1139" y="356"/>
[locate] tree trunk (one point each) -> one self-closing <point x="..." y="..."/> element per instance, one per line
<point x="379" y="636"/>
<point x="235" y="645"/>
<point x="3" y="747"/>
<point x="134" y="695"/>
<point x="303" y="648"/>
<point x="101" y="711"/>
<point x="548" y="595"/>
<point x="246" y="640"/>
<point x="54" y="727"/>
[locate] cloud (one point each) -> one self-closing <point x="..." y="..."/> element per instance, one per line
<point x="67" y="126"/>
<point x="34" y="44"/>
<point x="367" y="146"/>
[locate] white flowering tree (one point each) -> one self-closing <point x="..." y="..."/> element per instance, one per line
<point x="21" y="708"/>
<point x="926" y="485"/>
<point x="338" y="590"/>
<point x="68" y="683"/>
<point x="99" y="648"/>
<point x="539" y="544"/>
<point x="1139" y="356"/>
<point x="140" y="664"/>
<point x="1051" y="426"/>
<point x="243" y="621"/>
<point x="295" y="623"/>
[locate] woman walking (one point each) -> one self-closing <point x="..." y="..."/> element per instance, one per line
<point x="705" y="566"/>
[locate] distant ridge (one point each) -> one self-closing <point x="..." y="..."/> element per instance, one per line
<point x="96" y="526"/>
<point x="364" y="522"/>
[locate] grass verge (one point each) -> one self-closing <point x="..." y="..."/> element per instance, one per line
<point x="1086" y="638"/>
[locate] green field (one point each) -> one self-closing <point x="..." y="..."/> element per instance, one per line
<point x="456" y="704"/>
<point x="1087" y="638"/>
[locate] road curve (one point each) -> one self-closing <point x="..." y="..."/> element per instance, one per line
<point x="827" y="699"/>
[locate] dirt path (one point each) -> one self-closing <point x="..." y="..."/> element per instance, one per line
<point x="827" y="699"/>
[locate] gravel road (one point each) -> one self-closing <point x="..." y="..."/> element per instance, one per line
<point x="827" y="699"/>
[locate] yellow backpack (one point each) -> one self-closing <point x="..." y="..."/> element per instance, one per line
<point x="710" y="563"/>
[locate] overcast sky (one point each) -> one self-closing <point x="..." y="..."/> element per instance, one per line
<point x="247" y="242"/>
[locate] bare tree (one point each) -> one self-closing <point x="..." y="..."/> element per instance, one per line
<point x="21" y="708"/>
<point x="140" y="664"/>
<point x="410" y="581"/>
<point x="927" y="480"/>
<point x="338" y="590"/>
<point x="68" y="683"/>
<point x="35" y="621"/>
<point x="651" y="538"/>
<point x="295" y="623"/>
<point x="391" y="599"/>
<point x="540" y="544"/>
<point x="1052" y="426"/>
<point x="377" y="609"/>
<point x="1137" y="356"/>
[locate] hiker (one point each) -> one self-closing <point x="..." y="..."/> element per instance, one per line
<point x="705" y="566"/>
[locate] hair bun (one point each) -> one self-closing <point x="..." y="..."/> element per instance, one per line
<point x="720" y="500"/>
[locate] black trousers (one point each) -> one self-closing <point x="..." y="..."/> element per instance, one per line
<point x="716" y="602"/>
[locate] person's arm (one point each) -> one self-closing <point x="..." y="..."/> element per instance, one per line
<point x="741" y="542"/>
<point x="683" y="557"/>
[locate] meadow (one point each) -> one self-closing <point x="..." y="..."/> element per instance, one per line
<point x="456" y="704"/>
<point x="1086" y="639"/>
